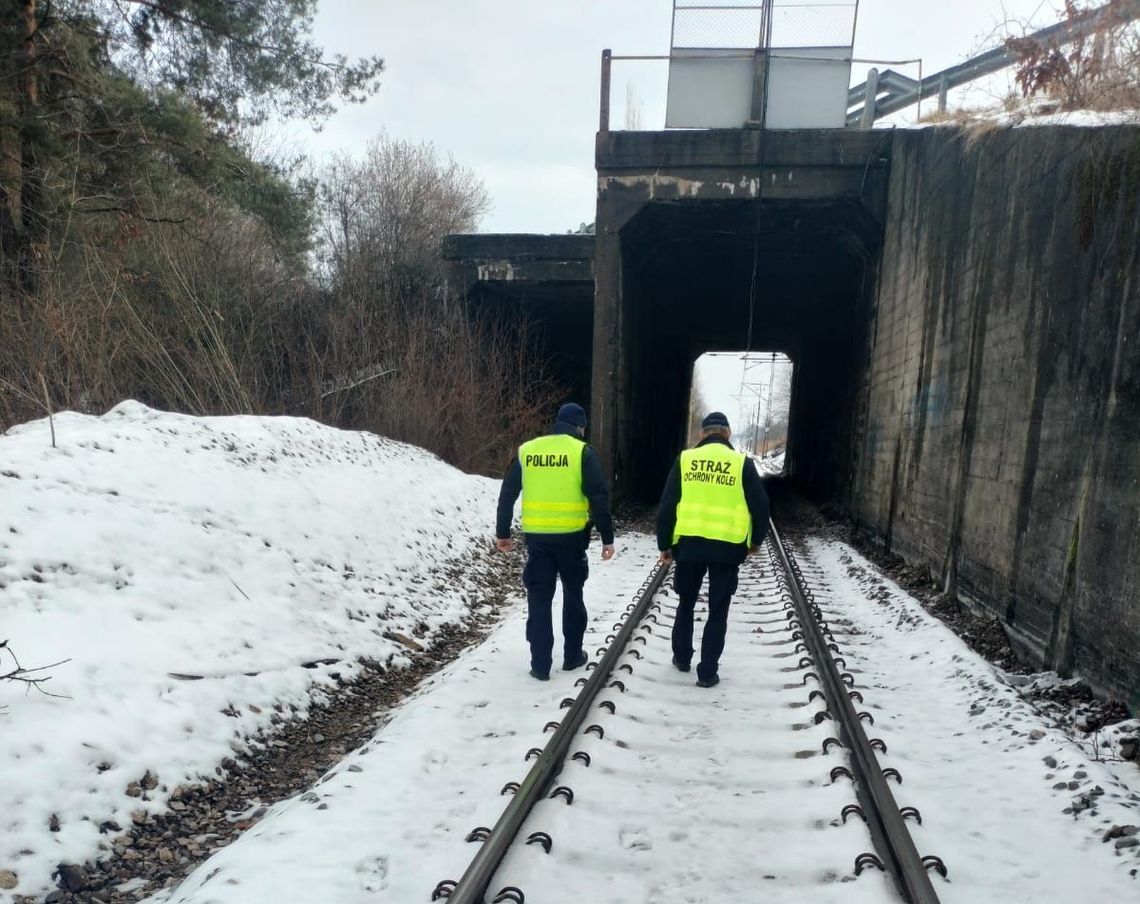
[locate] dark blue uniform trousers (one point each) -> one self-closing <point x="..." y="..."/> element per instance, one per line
<point x="687" y="580"/>
<point x="544" y="563"/>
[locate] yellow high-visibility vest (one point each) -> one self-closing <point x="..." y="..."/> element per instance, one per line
<point x="712" y="496"/>
<point x="552" y="497"/>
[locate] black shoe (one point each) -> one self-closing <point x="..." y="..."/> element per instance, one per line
<point x="708" y="682"/>
<point x="575" y="662"/>
<point x="540" y="676"/>
<point x="681" y="666"/>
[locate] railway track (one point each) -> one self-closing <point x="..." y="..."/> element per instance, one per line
<point x="775" y="607"/>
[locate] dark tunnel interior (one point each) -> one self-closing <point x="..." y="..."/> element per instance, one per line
<point x="555" y="319"/>
<point x="700" y="276"/>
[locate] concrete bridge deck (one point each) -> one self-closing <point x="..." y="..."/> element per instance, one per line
<point x="543" y="284"/>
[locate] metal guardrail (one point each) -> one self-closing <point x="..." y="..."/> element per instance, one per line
<point x="884" y="819"/>
<point x="472" y="886"/>
<point x="891" y="91"/>
<point x="886" y="92"/>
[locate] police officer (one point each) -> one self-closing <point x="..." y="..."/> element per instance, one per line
<point x="713" y="513"/>
<point x="563" y="487"/>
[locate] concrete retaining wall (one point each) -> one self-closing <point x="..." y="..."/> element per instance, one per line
<point x="998" y="422"/>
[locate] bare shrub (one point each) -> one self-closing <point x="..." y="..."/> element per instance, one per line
<point x="1100" y="71"/>
<point x="418" y="369"/>
<point x="469" y="392"/>
<point x="212" y="317"/>
<point x="183" y="320"/>
<point x="385" y="218"/>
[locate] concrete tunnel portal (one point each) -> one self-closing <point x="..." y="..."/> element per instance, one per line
<point x="539" y="289"/>
<point x="725" y="240"/>
<point x="710" y="276"/>
<point x="706" y="241"/>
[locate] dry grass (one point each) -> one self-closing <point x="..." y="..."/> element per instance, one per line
<point x="206" y="318"/>
<point x="211" y="329"/>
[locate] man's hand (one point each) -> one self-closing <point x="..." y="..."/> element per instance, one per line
<point x="666" y="557"/>
<point x="504" y="544"/>
<point x="752" y="550"/>
<point x="607" y="552"/>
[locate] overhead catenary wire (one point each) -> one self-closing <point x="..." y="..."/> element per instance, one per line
<point x="766" y="50"/>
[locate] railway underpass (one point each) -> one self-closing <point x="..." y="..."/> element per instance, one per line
<point x="703" y="276"/>
<point x="958" y="308"/>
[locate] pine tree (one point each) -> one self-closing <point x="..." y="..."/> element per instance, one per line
<point x="101" y="99"/>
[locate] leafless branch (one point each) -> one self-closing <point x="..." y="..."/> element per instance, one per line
<point x="31" y="678"/>
<point x="350" y="383"/>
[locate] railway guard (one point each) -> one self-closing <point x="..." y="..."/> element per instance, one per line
<point x="713" y="513"/>
<point x="564" y="494"/>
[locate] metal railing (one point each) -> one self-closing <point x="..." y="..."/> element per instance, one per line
<point x="757" y="56"/>
<point x="762" y="31"/>
<point x="889" y="92"/>
<point x="886" y="91"/>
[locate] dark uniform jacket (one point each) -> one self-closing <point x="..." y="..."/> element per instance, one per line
<point x="698" y="549"/>
<point x="593" y="486"/>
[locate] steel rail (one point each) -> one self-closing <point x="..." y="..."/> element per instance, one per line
<point x="472" y="886"/>
<point x="886" y="823"/>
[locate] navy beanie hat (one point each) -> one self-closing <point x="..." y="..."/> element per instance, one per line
<point x="573" y="414"/>
<point x="714" y="419"/>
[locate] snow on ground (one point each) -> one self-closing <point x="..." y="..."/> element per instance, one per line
<point x="691" y="796"/>
<point x="1084" y="118"/>
<point x="240" y="549"/>
<point x="389" y="822"/>
<point x="1017" y="809"/>
<point x="227" y="551"/>
<point x="1019" y="113"/>
<point x="1116" y="743"/>
<point x="770" y="465"/>
<point x="700" y="796"/>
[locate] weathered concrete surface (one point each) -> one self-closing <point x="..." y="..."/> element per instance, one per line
<point x="519" y="258"/>
<point x="727" y="240"/>
<point x="539" y="287"/>
<point x="997" y="435"/>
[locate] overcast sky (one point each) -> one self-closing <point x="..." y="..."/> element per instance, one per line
<point x="511" y="87"/>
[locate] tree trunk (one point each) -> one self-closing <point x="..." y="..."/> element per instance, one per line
<point x="19" y="96"/>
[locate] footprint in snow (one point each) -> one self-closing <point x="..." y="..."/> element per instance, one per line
<point x="635" y="838"/>
<point x="373" y="872"/>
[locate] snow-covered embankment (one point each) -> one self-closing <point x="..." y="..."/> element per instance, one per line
<point x="194" y="573"/>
